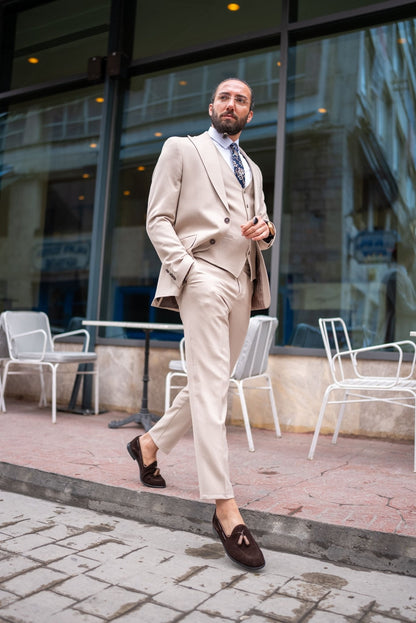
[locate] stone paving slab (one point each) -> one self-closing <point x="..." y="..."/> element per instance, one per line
<point x="164" y="575"/>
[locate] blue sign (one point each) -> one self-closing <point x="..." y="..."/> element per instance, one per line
<point x="374" y="246"/>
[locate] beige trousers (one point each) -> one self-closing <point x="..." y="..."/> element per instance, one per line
<point x="215" y="311"/>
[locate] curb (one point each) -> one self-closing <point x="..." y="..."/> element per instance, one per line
<point x="337" y="544"/>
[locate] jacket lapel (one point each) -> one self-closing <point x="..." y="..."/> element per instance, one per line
<point x="209" y="156"/>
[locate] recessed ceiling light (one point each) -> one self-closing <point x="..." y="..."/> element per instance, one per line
<point x="183" y="83"/>
<point x="86" y="176"/>
<point x="81" y="197"/>
<point x="126" y="193"/>
<point x="93" y="145"/>
<point x="233" y="6"/>
<point x="100" y="100"/>
<point x="33" y="60"/>
<point x="158" y="134"/>
<point x="322" y="110"/>
<point x="141" y="168"/>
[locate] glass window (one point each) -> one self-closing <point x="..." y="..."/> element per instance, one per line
<point x="348" y="225"/>
<point x="57" y="38"/>
<point x="166" y="26"/>
<point x="318" y="8"/>
<point x="158" y="106"/>
<point x="48" y="171"/>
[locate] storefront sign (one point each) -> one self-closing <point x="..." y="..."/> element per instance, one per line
<point x="374" y="246"/>
<point x="61" y="256"/>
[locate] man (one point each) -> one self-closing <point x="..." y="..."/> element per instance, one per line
<point x="208" y="223"/>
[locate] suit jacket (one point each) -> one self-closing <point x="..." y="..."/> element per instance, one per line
<point x="187" y="213"/>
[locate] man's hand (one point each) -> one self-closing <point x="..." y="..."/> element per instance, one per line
<point x="256" y="229"/>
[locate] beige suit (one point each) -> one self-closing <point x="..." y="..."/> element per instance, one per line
<point x="193" y="222"/>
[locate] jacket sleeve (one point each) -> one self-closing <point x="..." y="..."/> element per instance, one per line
<point x="162" y="209"/>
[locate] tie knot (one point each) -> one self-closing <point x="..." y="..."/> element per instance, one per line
<point x="234" y="148"/>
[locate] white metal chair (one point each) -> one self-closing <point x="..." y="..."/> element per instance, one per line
<point x="347" y="375"/>
<point x="30" y="343"/>
<point x="251" y="364"/>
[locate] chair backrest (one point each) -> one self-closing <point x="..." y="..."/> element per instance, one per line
<point x="336" y="340"/>
<point x="15" y="322"/>
<point x="254" y="354"/>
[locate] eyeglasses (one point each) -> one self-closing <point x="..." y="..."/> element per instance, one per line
<point x="238" y="99"/>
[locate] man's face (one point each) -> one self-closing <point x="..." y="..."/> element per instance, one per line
<point x="230" y="110"/>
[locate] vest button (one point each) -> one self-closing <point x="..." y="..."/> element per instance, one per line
<point x="212" y="241"/>
<point x="226" y="220"/>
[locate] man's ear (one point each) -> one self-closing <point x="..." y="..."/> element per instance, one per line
<point x="210" y="110"/>
<point x="250" y="116"/>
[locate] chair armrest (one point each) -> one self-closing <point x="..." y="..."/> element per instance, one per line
<point x="83" y="332"/>
<point x="354" y="354"/>
<point x="25" y="334"/>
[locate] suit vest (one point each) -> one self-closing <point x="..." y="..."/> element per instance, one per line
<point x="233" y="252"/>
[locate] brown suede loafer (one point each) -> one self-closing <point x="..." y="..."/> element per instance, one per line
<point x="240" y="546"/>
<point x="149" y="474"/>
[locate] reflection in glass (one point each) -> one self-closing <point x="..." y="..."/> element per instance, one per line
<point x="166" y="26"/>
<point x="48" y="170"/>
<point x="350" y="178"/>
<point x="306" y="9"/>
<point x="56" y="39"/>
<point x="158" y="106"/>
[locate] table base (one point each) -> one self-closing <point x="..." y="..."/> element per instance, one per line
<point x="144" y="418"/>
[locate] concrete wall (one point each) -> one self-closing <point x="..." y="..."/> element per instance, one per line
<point x="299" y="384"/>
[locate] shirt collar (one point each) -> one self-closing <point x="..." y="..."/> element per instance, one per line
<point x="222" y="140"/>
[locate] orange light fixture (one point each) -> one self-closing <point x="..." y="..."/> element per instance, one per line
<point x="141" y="168"/>
<point x="158" y="134"/>
<point x="100" y="100"/>
<point x="233" y="6"/>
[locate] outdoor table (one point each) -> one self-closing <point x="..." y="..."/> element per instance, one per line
<point x="143" y="417"/>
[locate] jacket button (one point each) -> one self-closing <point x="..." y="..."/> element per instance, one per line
<point x="226" y="220"/>
<point x="212" y="241"/>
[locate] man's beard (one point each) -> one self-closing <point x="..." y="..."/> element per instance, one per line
<point x="227" y="125"/>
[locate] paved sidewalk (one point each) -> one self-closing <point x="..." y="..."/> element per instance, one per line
<point x="355" y="503"/>
<point x="60" y="564"/>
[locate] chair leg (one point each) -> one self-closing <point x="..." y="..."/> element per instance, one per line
<point x="3" y="389"/>
<point x="339" y="420"/>
<point x="319" y="423"/>
<point x="53" y="394"/>
<point x="414" y="462"/>
<point x="2" y="403"/>
<point x="167" y="391"/>
<point x="96" y="393"/>
<point x="42" y="399"/>
<point x="240" y="390"/>
<point x="273" y="406"/>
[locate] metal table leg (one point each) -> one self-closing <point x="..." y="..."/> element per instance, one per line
<point x="143" y="418"/>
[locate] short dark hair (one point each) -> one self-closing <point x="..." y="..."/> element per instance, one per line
<point x="214" y="92"/>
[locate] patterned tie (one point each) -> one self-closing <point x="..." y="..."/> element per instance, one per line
<point x="237" y="164"/>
